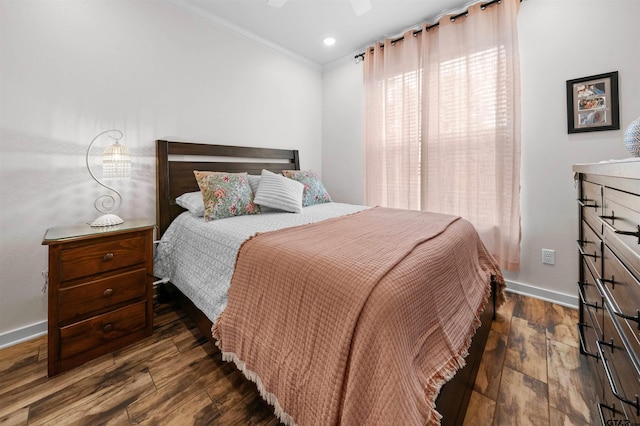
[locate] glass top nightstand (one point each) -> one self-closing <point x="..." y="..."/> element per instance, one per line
<point x="56" y="234"/>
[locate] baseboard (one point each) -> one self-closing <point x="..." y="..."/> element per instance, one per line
<point x="20" y="335"/>
<point x="568" y="300"/>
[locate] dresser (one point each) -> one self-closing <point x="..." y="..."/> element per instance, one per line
<point x="100" y="290"/>
<point x="609" y="284"/>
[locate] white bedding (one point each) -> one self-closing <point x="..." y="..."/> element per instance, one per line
<point x="198" y="257"/>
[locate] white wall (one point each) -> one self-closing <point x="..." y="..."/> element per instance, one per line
<point x="71" y="69"/>
<point x="559" y="40"/>
<point x="342" y="144"/>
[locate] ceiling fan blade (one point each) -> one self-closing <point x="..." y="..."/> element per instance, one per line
<point x="276" y="3"/>
<point x="360" y="7"/>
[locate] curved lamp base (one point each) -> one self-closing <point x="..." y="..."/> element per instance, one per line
<point x="107" y="220"/>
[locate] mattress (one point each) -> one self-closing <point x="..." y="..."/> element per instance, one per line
<point x="198" y="257"/>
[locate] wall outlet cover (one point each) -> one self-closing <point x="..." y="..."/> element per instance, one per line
<point x="548" y="257"/>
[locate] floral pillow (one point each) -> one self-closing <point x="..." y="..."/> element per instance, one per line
<point x="314" y="191"/>
<point x="225" y="194"/>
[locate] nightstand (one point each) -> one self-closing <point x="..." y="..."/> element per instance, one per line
<point x="100" y="290"/>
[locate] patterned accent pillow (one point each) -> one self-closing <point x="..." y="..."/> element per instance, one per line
<point x="225" y="194"/>
<point x="314" y="191"/>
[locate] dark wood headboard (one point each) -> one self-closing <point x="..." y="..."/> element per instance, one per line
<point x="174" y="177"/>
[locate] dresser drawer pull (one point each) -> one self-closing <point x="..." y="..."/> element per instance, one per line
<point x="612" y="218"/>
<point x="583" y="253"/>
<point x="634" y="233"/>
<point x="611" y="281"/>
<point x="625" y="341"/>
<point x="613" y="306"/>
<point x="583" y="203"/>
<point x="584" y="299"/>
<point x="107" y="328"/>
<point x="634" y="403"/>
<point x="108" y="292"/>
<point x="108" y="257"/>
<point x="613" y="409"/>
<point x="583" y="345"/>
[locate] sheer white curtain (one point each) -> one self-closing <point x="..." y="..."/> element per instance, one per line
<point x="442" y="124"/>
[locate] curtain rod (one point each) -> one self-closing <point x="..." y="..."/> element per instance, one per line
<point x="360" y="56"/>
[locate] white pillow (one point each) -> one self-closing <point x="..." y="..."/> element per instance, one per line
<point x="192" y="201"/>
<point x="254" y="182"/>
<point x="279" y="192"/>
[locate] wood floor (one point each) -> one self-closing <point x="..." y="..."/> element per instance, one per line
<point x="531" y="374"/>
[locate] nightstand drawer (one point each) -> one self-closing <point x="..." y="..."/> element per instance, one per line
<point x="101" y="294"/>
<point x="101" y="257"/>
<point x="102" y="329"/>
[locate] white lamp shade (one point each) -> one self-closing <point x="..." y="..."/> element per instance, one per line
<point x="116" y="162"/>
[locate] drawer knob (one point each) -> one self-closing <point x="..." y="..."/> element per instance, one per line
<point x="108" y="257"/>
<point x="108" y="292"/>
<point x="107" y="328"/>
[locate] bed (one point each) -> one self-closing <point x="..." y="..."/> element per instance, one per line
<point x="357" y="393"/>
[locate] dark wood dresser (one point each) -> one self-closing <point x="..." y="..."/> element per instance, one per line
<point x="100" y="290"/>
<point x="609" y="284"/>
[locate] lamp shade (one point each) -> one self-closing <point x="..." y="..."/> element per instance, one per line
<point x="116" y="162"/>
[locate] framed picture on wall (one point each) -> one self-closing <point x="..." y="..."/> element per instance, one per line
<point x="592" y="103"/>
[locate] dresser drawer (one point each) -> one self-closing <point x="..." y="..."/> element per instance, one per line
<point x="105" y="256"/>
<point x="612" y="410"/>
<point x="623" y="291"/>
<point x="590" y="331"/>
<point x="621" y="369"/>
<point x="622" y="232"/>
<point x="102" y="294"/>
<point x="102" y="329"/>
<point x="590" y="295"/>
<point x="590" y="247"/>
<point x="591" y="205"/>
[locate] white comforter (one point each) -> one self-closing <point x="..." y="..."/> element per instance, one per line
<point x="198" y="257"/>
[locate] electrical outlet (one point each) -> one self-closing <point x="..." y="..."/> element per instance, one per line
<point x="548" y="257"/>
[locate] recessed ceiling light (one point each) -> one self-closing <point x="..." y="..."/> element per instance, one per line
<point x="329" y="41"/>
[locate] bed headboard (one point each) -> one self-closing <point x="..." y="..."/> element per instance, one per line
<point x="176" y="161"/>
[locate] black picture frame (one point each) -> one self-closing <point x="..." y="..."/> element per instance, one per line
<point x="592" y="103"/>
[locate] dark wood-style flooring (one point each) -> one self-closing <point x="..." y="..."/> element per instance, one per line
<point x="531" y="374"/>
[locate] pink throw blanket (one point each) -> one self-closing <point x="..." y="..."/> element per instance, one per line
<point x="359" y="319"/>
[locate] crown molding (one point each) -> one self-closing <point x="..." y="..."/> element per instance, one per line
<point x="185" y="5"/>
